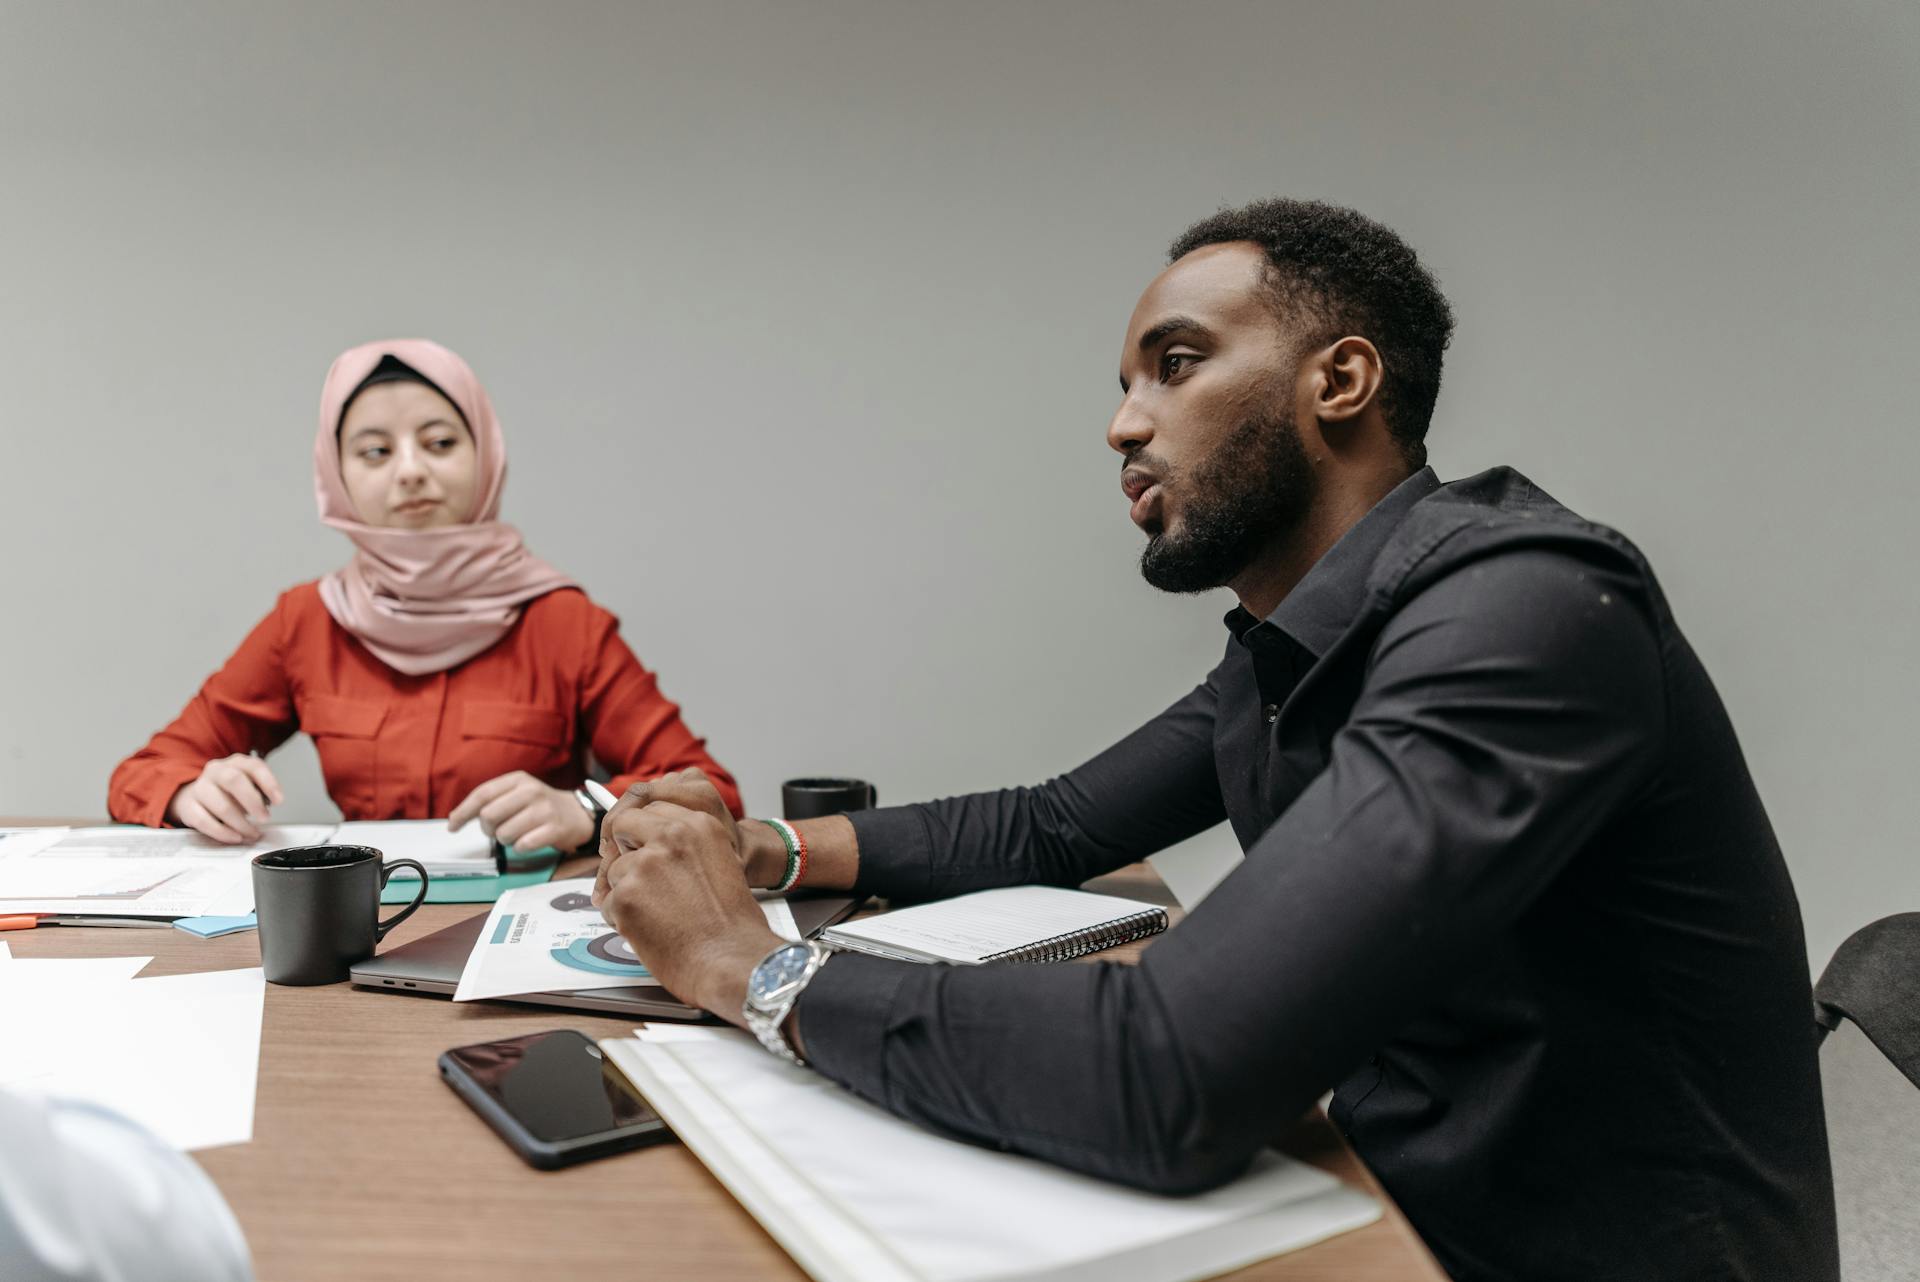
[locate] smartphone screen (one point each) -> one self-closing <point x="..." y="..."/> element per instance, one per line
<point x="556" y="1085"/>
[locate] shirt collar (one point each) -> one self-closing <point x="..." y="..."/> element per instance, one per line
<point x="1323" y="604"/>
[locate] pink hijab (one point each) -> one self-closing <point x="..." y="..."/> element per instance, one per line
<point x="425" y="600"/>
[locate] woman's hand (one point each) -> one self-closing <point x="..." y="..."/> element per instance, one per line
<point x="229" y="801"/>
<point x="520" y="811"/>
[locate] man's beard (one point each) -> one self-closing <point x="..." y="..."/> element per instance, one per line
<point x="1251" y="490"/>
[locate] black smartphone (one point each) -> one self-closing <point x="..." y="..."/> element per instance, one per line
<point x="553" y="1097"/>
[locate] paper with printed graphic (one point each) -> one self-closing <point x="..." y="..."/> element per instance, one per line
<point x="551" y="939"/>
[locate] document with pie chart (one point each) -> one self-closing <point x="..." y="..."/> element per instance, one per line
<point x="551" y="939"/>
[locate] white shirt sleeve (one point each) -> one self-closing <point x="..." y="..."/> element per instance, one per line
<point x="87" y="1195"/>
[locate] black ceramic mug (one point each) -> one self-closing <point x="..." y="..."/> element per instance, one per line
<point x="811" y="798"/>
<point x="319" y="909"/>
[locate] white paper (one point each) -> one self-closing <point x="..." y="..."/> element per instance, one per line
<point x="780" y="918"/>
<point x="468" y="852"/>
<point x="136" y="872"/>
<point x="6" y="953"/>
<point x="122" y="841"/>
<point x="43" y="992"/>
<point x="27" y="841"/>
<point x="551" y="939"/>
<point x="57" y="971"/>
<point x="178" y="1053"/>
<point x="856" y="1195"/>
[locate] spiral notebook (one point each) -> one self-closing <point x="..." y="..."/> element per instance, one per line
<point x="1016" y="923"/>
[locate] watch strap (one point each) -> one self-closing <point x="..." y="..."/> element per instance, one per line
<point x="597" y="813"/>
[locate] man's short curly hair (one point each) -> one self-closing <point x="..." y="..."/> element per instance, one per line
<point x="1336" y="272"/>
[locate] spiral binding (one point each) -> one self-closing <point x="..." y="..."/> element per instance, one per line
<point x="1078" y="943"/>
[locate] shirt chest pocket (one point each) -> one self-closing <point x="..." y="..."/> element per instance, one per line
<point x="347" y="734"/>
<point x="513" y="736"/>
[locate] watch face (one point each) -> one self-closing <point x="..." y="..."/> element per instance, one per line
<point x="779" y="971"/>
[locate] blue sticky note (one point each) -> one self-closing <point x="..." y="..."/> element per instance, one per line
<point x="209" y="927"/>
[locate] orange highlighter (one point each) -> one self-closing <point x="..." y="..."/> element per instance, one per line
<point x="20" y="921"/>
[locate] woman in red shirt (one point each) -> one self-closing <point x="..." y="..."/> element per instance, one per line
<point x="444" y="672"/>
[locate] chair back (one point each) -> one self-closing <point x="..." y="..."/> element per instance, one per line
<point x="1874" y="980"/>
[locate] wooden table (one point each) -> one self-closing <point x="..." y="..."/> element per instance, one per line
<point x="364" y="1165"/>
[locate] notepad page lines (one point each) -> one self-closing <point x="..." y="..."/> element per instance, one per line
<point x="975" y="926"/>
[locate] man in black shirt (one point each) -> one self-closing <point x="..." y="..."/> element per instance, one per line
<point x="1508" y="890"/>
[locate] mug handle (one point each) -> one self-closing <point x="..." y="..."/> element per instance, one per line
<point x="380" y="929"/>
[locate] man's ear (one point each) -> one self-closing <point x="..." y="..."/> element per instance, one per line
<point x="1344" y="378"/>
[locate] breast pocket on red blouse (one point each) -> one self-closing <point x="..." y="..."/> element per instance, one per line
<point x="347" y="734"/>
<point x="502" y="737"/>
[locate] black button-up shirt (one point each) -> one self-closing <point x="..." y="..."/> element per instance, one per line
<point x="1508" y="891"/>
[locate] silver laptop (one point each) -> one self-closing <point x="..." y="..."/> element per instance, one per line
<point x="431" y="966"/>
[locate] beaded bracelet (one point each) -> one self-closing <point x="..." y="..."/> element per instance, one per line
<point x="796" y="854"/>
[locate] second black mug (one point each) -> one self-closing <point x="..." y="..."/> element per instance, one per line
<point x="811" y="798"/>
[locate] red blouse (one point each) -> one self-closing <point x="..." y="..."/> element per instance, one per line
<point x="561" y="683"/>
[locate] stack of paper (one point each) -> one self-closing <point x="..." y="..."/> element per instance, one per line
<point x="179" y="1054"/>
<point x="856" y="1195"/>
<point x="134" y="872"/>
<point x="137" y="874"/>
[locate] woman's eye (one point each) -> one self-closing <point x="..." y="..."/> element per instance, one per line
<point x="442" y="444"/>
<point x="374" y="453"/>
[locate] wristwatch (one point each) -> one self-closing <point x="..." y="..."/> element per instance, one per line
<point x="773" y="988"/>
<point x="595" y="812"/>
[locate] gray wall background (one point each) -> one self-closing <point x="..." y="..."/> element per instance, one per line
<point x="803" y="323"/>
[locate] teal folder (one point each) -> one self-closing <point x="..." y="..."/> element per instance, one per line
<point x="464" y="890"/>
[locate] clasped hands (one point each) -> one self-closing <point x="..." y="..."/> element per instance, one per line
<point x="675" y="871"/>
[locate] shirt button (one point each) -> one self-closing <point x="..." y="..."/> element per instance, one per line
<point x="1271" y="712"/>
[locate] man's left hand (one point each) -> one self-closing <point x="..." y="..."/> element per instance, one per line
<point x="675" y="892"/>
